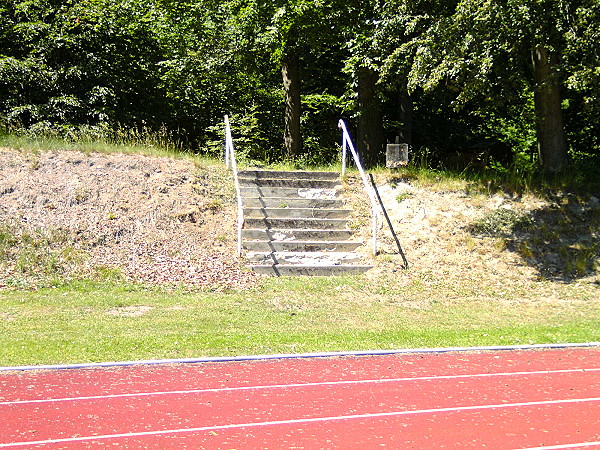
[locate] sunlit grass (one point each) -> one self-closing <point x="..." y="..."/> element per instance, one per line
<point x="87" y="322"/>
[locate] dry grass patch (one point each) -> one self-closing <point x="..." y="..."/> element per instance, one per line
<point x="130" y="311"/>
<point x="155" y="220"/>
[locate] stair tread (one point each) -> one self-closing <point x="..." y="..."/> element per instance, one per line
<point x="285" y="199"/>
<point x="315" y="270"/>
<point x="304" y="241"/>
<point x="304" y="258"/>
<point x="289" y="230"/>
<point x="296" y="213"/>
<point x="288" y="174"/>
<point x="312" y="254"/>
<point x="301" y="246"/>
<point x="295" y="224"/>
<point x="291" y="202"/>
<point x="315" y="265"/>
<point x="305" y="193"/>
<point x="293" y="235"/>
<point x="301" y="223"/>
<point x="295" y="218"/>
<point x="285" y="182"/>
<point x="285" y="208"/>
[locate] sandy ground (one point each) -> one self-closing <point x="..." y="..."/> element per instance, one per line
<point x="492" y="239"/>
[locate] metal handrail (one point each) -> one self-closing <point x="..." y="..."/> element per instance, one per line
<point x="230" y="162"/>
<point x="347" y="143"/>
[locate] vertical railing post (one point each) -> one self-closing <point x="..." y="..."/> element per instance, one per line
<point x="228" y="143"/>
<point x="230" y="162"/>
<point x="374" y="243"/>
<point x="348" y="142"/>
<point x="344" y="151"/>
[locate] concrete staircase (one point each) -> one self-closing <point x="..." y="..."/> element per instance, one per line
<point x="294" y="224"/>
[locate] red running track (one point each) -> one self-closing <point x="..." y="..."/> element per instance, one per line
<point x="500" y="400"/>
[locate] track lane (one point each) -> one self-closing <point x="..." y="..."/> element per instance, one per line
<point x="341" y="389"/>
<point x="16" y="386"/>
<point x="497" y="425"/>
<point x="212" y="408"/>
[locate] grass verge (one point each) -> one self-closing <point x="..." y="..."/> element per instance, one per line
<point x="148" y="144"/>
<point x="92" y="322"/>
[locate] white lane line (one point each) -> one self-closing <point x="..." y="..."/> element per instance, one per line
<point x="556" y="447"/>
<point x="300" y="385"/>
<point x="300" y="421"/>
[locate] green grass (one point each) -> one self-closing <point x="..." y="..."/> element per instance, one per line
<point x="84" y="321"/>
<point x="80" y="322"/>
<point x="127" y="143"/>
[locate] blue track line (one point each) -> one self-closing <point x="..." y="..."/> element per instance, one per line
<point x="298" y="356"/>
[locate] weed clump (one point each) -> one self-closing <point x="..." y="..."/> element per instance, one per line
<point x="501" y="222"/>
<point x="37" y="252"/>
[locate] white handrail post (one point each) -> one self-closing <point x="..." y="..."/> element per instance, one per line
<point x="227" y="143"/>
<point x="230" y="162"/>
<point x="344" y="151"/>
<point x="374" y="233"/>
<point x="374" y="211"/>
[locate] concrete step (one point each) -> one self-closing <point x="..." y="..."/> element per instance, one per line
<point x="321" y="213"/>
<point x="289" y="182"/>
<point x="295" y="270"/>
<point x="279" y="202"/>
<point x="304" y="258"/>
<point x="265" y="234"/>
<point x="302" y="246"/>
<point x="256" y="174"/>
<point x="295" y="223"/>
<point x="288" y="192"/>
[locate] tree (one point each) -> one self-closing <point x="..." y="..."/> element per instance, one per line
<point x="430" y="73"/>
<point x="483" y="49"/>
<point x="370" y="140"/>
<point x="299" y="30"/>
<point x="286" y="29"/>
<point x="363" y="65"/>
<point x="581" y="59"/>
<point x="81" y="63"/>
<point x="551" y="138"/>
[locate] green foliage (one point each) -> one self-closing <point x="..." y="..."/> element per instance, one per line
<point x="251" y="143"/>
<point x="85" y="63"/>
<point x="180" y="66"/>
<point x="320" y="116"/>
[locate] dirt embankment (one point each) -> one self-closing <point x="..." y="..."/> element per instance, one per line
<point x="467" y="238"/>
<point x="147" y="219"/>
<point x="167" y="222"/>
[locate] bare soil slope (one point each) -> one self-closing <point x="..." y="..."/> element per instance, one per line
<point x="150" y="219"/>
<point x="466" y="240"/>
<point x="169" y="222"/>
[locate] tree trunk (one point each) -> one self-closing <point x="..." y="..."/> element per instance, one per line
<point x="292" y="136"/>
<point x="405" y="117"/>
<point x="551" y="138"/>
<point x="370" y="137"/>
